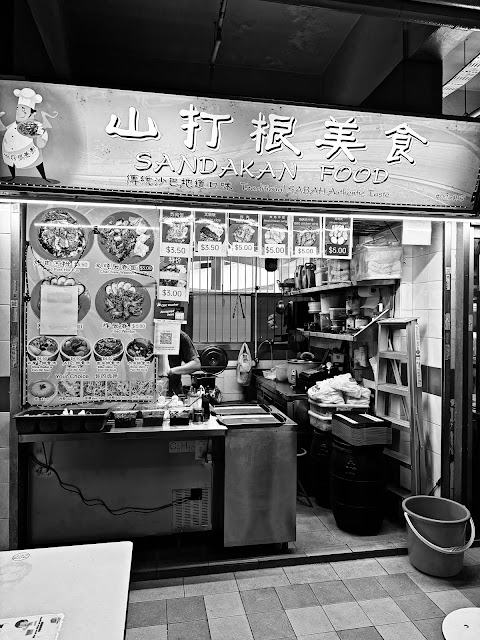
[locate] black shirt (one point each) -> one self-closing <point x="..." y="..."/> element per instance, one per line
<point x="187" y="353"/>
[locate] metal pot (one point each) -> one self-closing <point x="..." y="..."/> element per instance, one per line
<point x="299" y="366"/>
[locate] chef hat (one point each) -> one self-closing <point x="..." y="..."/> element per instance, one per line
<point x="28" y="97"/>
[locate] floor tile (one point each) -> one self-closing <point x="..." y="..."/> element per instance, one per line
<point x="468" y="577"/>
<point x="368" y="546"/>
<point x="400" y="631"/>
<point x="449" y="601"/>
<point x="208" y="584"/>
<point x="383" y="611"/>
<point x="365" y="633"/>
<point x="260" y="600"/>
<point x="396" y="564"/>
<point x="158" y="632"/>
<point x="314" y="549"/>
<point x="296" y="596"/>
<point x="185" y="609"/>
<point x="431" y="628"/>
<point x="309" y="621"/>
<point x="346" y="615"/>
<point x="272" y="625"/>
<point x="472" y="594"/>
<point x="233" y="628"/>
<point x="365" y="588"/>
<point x="260" y="578"/>
<point x="331" y="592"/>
<point x="474" y="554"/>
<point x="328" y="635"/>
<point x="430" y="583"/>
<point x="197" y="630"/>
<point x="171" y="588"/>
<point x="223" y="605"/>
<point x="418" y="606"/>
<point x="398" y="584"/>
<point x="146" y="614"/>
<point x="358" y="569"/>
<point x="320" y="572"/>
<point x="321" y="538"/>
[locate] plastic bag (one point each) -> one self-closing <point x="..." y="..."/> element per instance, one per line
<point x="244" y="366"/>
<point x="323" y="392"/>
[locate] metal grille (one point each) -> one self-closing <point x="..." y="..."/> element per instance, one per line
<point x="191" y="515"/>
<point x="224" y="295"/>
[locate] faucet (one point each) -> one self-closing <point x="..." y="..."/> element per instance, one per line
<point x="257" y="351"/>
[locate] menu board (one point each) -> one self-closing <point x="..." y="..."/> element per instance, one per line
<point x="176" y="232"/>
<point x="306" y="236"/>
<point x="210" y="233"/>
<point x="275" y="236"/>
<point x="338" y="237"/>
<point x="110" y="256"/>
<point x="243" y="236"/>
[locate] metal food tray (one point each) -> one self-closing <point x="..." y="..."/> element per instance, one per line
<point x="240" y="410"/>
<point x="54" y="420"/>
<point x="251" y="420"/>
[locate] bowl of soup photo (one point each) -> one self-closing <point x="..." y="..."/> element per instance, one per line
<point x="75" y="347"/>
<point x="42" y="347"/>
<point x="108" y="349"/>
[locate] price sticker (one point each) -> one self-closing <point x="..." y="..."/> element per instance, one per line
<point x="175" y="249"/>
<point x="305" y="251"/>
<point x="243" y="248"/>
<point x="274" y="250"/>
<point x="209" y="248"/>
<point x="336" y="250"/>
<point x="180" y="294"/>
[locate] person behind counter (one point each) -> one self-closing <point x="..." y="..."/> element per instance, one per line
<point x="188" y="355"/>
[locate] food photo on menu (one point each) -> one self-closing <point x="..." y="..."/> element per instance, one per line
<point x="108" y="258"/>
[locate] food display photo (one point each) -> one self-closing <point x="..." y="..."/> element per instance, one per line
<point x="210" y="233"/>
<point x="176" y="232"/>
<point x="111" y="256"/>
<point x="306" y="236"/>
<point x="243" y="236"/>
<point x="275" y="236"/>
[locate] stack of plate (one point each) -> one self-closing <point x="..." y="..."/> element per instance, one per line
<point x="314" y="307"/>
<point x="361" y="430"/>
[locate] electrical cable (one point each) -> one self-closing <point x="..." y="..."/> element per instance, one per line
<point x="98" y="502"/>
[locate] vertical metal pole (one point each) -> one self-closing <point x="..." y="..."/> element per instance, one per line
<point x="448" y="402"/>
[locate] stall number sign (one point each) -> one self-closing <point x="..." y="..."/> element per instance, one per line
<point x="338" y="237"/>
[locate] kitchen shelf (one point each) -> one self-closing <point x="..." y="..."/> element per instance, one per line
<point x="344" y="337"/>
<point x="334" y="286"/>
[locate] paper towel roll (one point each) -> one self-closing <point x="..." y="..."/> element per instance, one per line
<point x="367" y="292"/>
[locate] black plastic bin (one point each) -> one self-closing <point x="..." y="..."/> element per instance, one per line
<point x="357" y="487"/>
<point x="320" y="454"/>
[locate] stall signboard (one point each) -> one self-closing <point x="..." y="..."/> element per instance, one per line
<point x="338" y="237"/>
<point x="275" y="235"/>
<point x="176" y="226"/>
<point x="110" y="141"/>
<point x="210" y="233"/>
<point x="243" y="234"/>
<point x="306" y="239"/>
<point x="109" y="257"/>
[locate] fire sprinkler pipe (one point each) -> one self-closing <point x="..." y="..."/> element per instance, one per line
<point x="464" y="14"/>
<point x="218" y="31"/>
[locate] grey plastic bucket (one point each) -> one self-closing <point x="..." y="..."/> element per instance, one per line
<point x="436" y="532"/>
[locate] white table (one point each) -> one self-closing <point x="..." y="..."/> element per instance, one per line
<point x="87" y="583"/>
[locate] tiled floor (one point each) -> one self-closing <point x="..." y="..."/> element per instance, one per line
<point x="366" y="599"/>
<point x="317" y="535"/>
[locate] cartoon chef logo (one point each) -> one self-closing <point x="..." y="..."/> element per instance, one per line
<point x="25" y="138"/>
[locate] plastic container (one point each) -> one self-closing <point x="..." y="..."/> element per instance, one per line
<point x="321" y="276"/>
<point x="357" y="486"/>
<point x="320" y="454"/>
<point x="376" y="262"/>
<point x="436" y="534"/>
<point x="338" y="270"/>
<point x="54" y="421"/>
<point x="323" y="423"/>
<point x="152" y="417"/>
<point x="281" y="372"/>
<point x="338" y="313"/>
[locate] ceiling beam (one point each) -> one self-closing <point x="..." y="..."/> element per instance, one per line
<point x="438" y="13"/>
<point x="371" y="51"/>
<point x="442" y="42"/>
<point x="48" y="16"/>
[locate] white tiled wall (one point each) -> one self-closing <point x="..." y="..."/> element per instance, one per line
<point x="420" y="296"/>
<point x="4" y="368"/>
